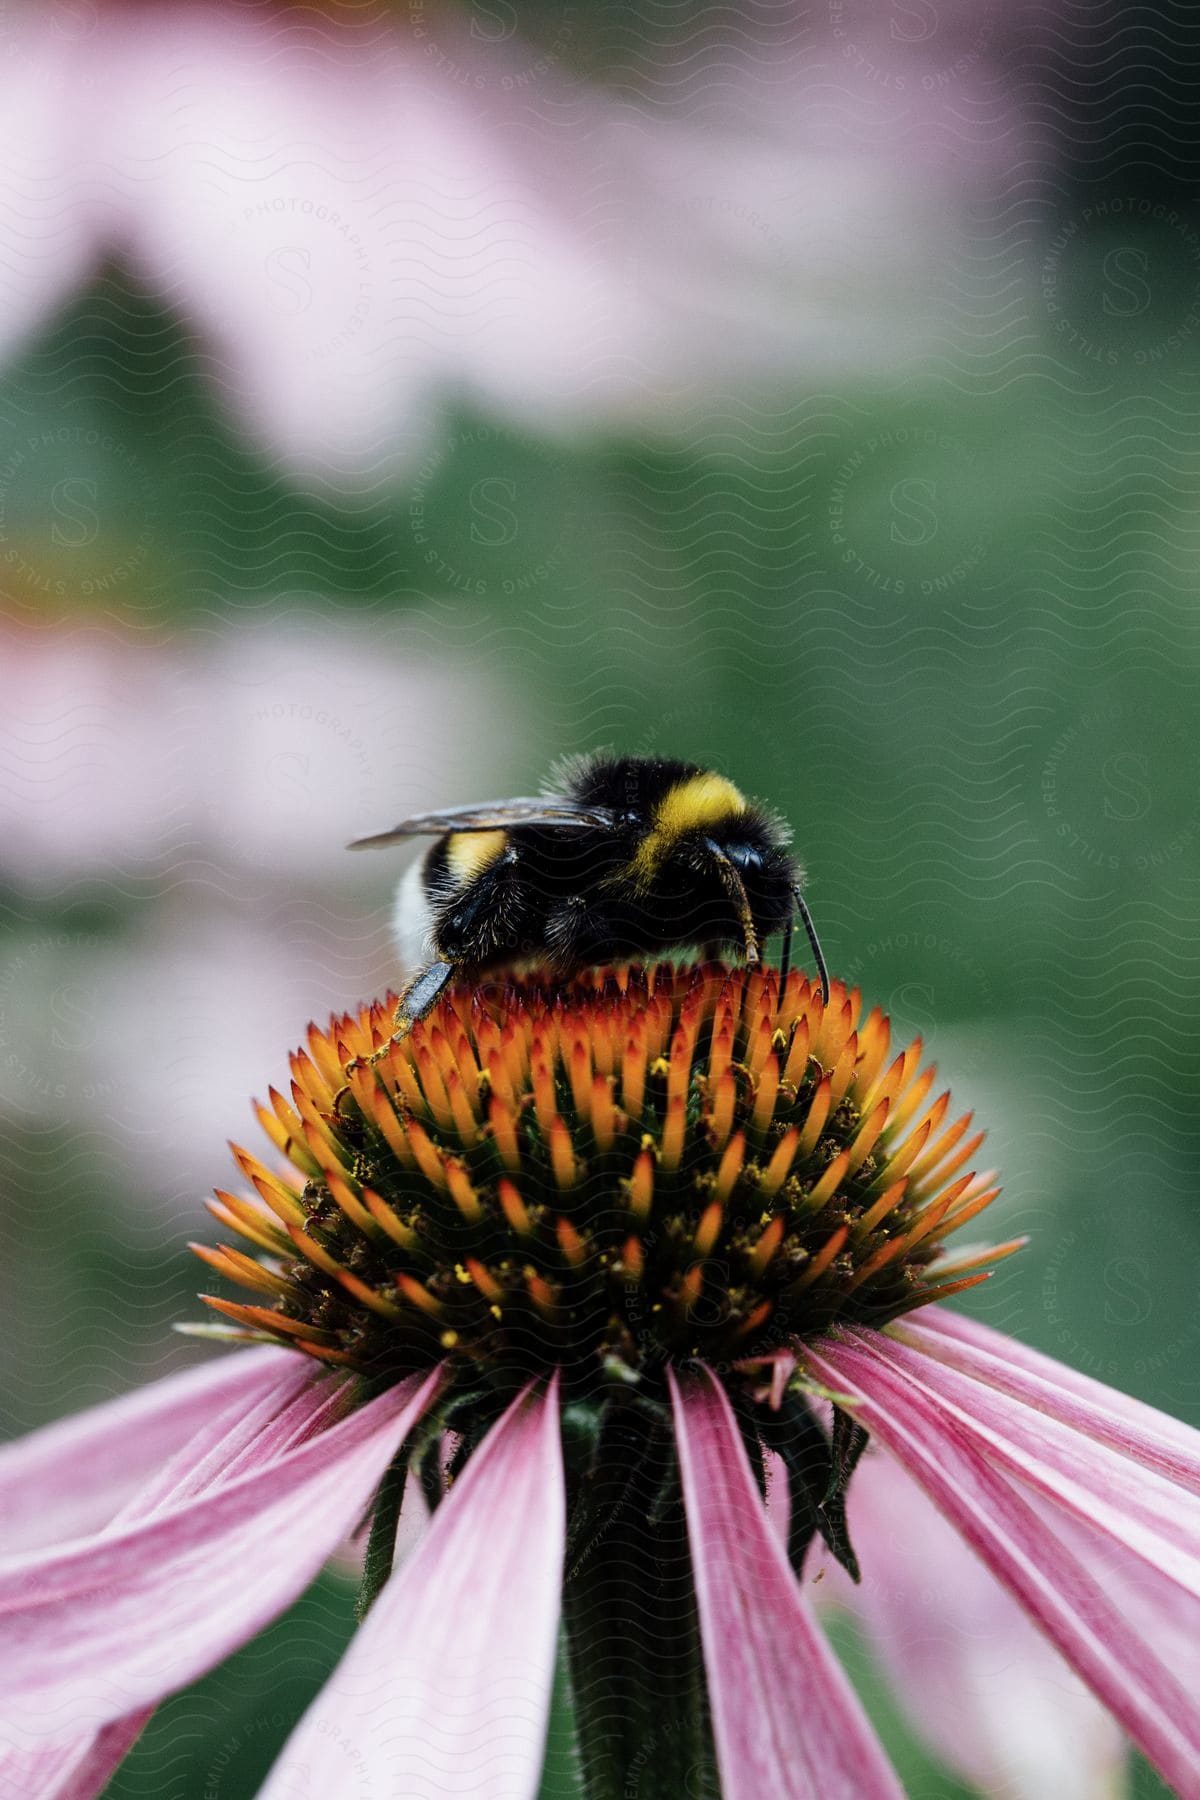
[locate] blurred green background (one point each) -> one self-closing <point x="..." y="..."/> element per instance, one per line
<point x="945" y="620"/>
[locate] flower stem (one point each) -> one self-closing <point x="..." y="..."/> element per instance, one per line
<point x="631" y="1629"/>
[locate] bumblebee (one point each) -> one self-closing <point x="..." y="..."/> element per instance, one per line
<point x="623" y="857"/>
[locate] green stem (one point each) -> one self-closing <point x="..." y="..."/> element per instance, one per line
<point x="630" y="1621"/>
<point x="381" y="1545"/>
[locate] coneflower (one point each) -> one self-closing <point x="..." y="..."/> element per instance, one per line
<point x="615" y="1272"/>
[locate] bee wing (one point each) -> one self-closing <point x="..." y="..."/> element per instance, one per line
<point x="492" y="815"/>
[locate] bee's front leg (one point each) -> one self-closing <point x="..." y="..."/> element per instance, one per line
<point x="417" y="999"/>
<point x="420" y="996"/>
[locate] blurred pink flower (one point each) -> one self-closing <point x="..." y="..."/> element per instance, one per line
<point x="160" y="1002"/>
<point x="253" y="755"/>
<point x="373" y="220"/>
<point x="54" y="218"/>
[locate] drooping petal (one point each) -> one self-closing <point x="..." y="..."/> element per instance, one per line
<point x="264" y="1406"/>
<point x="446" y="1688"/>
<point x="76" y="1770"/>
<point x="1119" y="1496"/>
<point x="784" y="1716"/>
<point x="71" y="1478"/>
<point x="107" y="1626"/>
<point x="1117" y="1617"/>
<point x="1109" y="1481"/>
<point x="1153" y="1437"/>
<point x="983" y="1687"/>
<point x="242" y="1437"/>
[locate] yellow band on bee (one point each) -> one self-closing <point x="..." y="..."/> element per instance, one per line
<point x="468" y="853"/>
<point x="696" y="804"/>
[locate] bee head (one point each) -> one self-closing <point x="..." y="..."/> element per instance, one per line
<point x="693" y="811"/>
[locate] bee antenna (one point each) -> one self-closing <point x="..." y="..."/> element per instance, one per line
<point x="811" y="929"/>
<point x="735" y="887"/>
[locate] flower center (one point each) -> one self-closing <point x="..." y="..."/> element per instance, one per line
<point x="636" y="1166"/>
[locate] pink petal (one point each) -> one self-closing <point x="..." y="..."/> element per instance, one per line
<point x="103" y="1628"/>
<point x="779" y="1499"/>
<point x="291" y="1410"/>
<point x="983" y="1687"/>
<point x="216" y="1446"/>
<point x="243" y="1437"/>
<point x="77" y="1770"/>
<point x="1117" y="1620"/>
<point x="446" y="1688"/>
<point x="70" y="1478"/>
<point x="1149" y="1514"/>
<point x="784" y="1716"/>
<point x="1153" y="1437"/>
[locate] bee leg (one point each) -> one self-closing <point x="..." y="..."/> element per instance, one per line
<point x="417" y="999"/>
<point x="420" y="995"/>
<point x="785" y="954"/>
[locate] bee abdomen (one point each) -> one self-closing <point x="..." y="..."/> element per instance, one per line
<point x="412" y="916"/>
